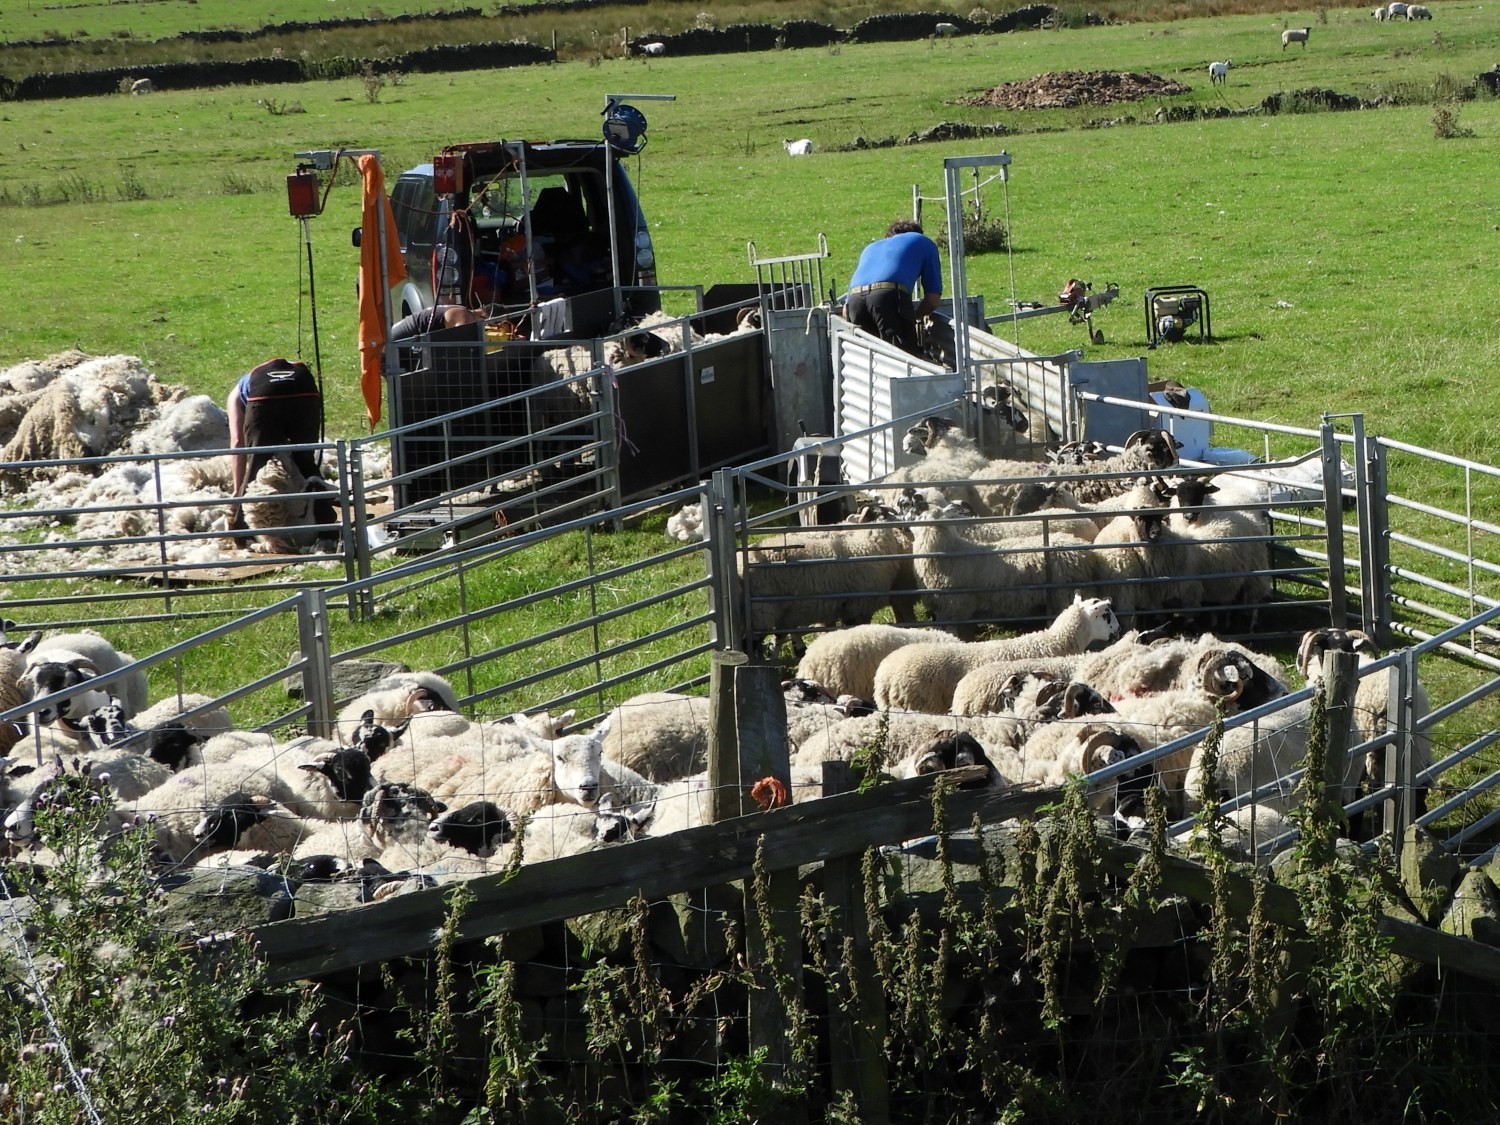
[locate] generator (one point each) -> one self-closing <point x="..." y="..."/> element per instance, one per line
<point x="1171" y="310"/>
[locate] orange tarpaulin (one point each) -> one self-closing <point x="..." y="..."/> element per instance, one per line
<point x="372" y="286"/>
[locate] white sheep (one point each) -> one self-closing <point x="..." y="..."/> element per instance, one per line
<point x="1381" y="14"/>
<point x="655" y="49"/>
<point x="1418" y="12"/>
<point x="68" y="659"/>
<point x="964" y="582"/>
<point x="509" y="766"/>
<point x="128" y="775"/>
<point x="826" y="576"/>
<point x="801" y="147"/>
<point x="1055" y="753"/>
<point x="142" y="86"/>
<point x="1259" y="753"/>
<point x="843" y="662"/>
<point x="280" y="505"/>
<point x="1300" y="34"/>
<point x="1395" y="9"/>
<point x="217" y="806"/>
<point x="1218" y="72"/>
<point x="395" y="699"/>
<point x="946" y="30"/>
<point x="1226" y="549"/>
<point x="924" y="677"/>
<point x="1150" y="562"/>
<point x="1372" y="698"/>
<point x="1144" y="452"/>
<point x="661" y="735"/>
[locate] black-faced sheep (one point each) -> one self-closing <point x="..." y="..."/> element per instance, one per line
<point x="924" y="677"/>
<point x="1227" y="550"/>
<point x="67" y="660"/>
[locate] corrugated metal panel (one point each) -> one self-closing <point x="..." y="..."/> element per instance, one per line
<point x="875" y="383"/>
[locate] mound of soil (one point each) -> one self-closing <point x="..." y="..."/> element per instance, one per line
<point x="1076" y="87"/>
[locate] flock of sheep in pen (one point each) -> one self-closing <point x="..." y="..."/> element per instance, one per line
<point x="406" y="791"/>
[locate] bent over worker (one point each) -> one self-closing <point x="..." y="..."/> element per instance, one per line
<point x="880" y="292"/>
<point x="276" y="403"/>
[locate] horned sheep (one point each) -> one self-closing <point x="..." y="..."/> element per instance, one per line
<point x="66" y="660"/>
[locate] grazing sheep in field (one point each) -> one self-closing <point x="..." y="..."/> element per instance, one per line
<point x="1218" y="72"/>
<point x="844" y="661"/>
<point x="1295" y="35"/>
<point x="803" y="147"/>
<point x="1381" y="14"/>
<point x="142" y="86"/>
<point x="1418" y="12"/>
<point x="656" y="49"/>
<point x="946" y="30"/>
<point x="1395" y="9"/>
<point x="924" y="677"/>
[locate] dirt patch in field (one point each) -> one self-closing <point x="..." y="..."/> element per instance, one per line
<point x="1071" y="88"/>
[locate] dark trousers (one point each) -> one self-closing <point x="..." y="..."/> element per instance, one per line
<point x="284" y="407"/>
<point x="887" y="313"/>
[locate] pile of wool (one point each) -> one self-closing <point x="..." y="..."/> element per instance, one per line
<point x="87" y="408"/>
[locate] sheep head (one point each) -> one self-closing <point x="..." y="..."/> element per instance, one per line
<point x="224" y="824"/>
<point x="1160" y="448"/>
<point x="1316" y="643"/>
<point x="374" y="738"/>
<point x="1000" y="397"/>
<point x="576" y="762"/>
<point x="953" y="749"/>
<point x="1231" y="676"/>
<point x="926" y="433"/>
<point x="479" y="828"/>
<point x="346" y="771"/>
<point x="54" y="671"/>
<point x="1193" y="492"/>
<point x="1097" y="620"/>
<point x="390" y="806"/>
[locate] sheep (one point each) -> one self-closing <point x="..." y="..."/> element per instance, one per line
<point x="1145" y="451"/>
<point x="1380" y="14"/>
<point x="125" y="774"/>
<point x="924" y="677"/>
<point x="12" y="665"/>
<point x="1226" y="667"/>
<point x="142" y="86"/>
<point x="280" y="506"/>
<point x="901" y="735"/>
<point x="1371" y="698"/>
<point x="650" y="337"/>
<point x="964" y="582"/>
<point x="66" y="660"/>
<point x="479" y="827"/>
<point x="394" y="699"/>
<point x="1150" y="562"/>
<point x="1218" y="72"/>
<point x="655" y="49"/>
<point x="170" y="743"/>
<point x="801" y="147"/>
<point x="843" y="662"/>
<point x="1056" y="752"/>
<point x="509" y="766"/>
<point x="838" y="575"/>
<point x="1227" y="549"/>
<point x="954" y="749"/>
<point x="1300" y="34"/>
<point x="1258" y="753"/>
<point x="662" y="735"/>
<point x="1418" y="12"/>
<point x="1395" y="9"/>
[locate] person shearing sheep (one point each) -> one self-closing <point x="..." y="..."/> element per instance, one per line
<point x="277" y="403"/>
<point x="880" y="292"/>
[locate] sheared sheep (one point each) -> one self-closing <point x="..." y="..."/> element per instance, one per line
<point x="1218" y="72"/>
<point x="1300" y="34"/>
<point x="843" y="662"/>
<point x="286" y="509"/>
<point x="924" y="677"/>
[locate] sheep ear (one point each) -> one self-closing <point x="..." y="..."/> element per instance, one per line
<point x="30" y="642"/>
<point x="601" y="732"/>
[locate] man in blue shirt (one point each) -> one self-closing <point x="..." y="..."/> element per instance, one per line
<point x="880" y="292"/>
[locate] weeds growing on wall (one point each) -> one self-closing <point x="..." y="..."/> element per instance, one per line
<point x="1010" y="980"/>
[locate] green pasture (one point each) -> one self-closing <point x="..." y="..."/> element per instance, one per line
<point x="1348" y="256"/>
<point x="1345" y="254"/>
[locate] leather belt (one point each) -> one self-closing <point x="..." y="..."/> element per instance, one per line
<point x="858" y="289"/>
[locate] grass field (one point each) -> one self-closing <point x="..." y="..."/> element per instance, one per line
<point x="1346" y="254"/>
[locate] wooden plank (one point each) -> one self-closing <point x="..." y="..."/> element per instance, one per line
<point x="407" y="924"/>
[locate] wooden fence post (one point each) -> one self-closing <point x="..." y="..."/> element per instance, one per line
<point x="726" y="797"/>
<point x="856" y="1034"/>
<point x="1339" y="682"/>
<point x="773" y="941"/>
